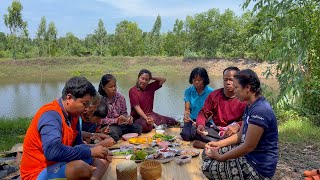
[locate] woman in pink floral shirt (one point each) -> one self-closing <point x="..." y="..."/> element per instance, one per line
<point x="117" y="119"/>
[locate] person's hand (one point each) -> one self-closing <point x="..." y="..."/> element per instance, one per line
<point x="200" y="130"/>
<point x="100" y="152"/>
<point x="213" y="154"/>
<point x="108" y="142"/>
<point x="213" y="145"/>
<point x="186" y="117"/>
<point x="130" y="120"/>
<point x="106" y="130"/>
<point x="99" y="136"/>
<point x="232" y="129"/>
<point x="121" y="120"/>
<point x="150" y="120"/>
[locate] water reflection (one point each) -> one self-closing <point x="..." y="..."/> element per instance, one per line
<point x="20" y="99"/>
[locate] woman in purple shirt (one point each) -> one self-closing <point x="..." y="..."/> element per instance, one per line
<point x="256" y="156"/>
<point x="117" y="119"/>
<point x="142" y="98"/>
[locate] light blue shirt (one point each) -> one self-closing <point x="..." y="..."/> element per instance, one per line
<point x="196" y="101"/>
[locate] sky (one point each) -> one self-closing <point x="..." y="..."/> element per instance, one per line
<point x="81" y="16"/>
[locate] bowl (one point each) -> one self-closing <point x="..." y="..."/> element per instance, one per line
<point x="160" y="131"/>
<point x="161" y="127"/>
<point x="129" y="135"/>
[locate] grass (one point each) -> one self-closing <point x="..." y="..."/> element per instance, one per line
<point x="89" y="66"/>
<point x="297" y="130"/>
<point x="293" y="129"/>
<point x="12" y="131"/>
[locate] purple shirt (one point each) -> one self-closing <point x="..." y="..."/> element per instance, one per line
<point x="143" y="98"/>
<point x="116" y="108"/>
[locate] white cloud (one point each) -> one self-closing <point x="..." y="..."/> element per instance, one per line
<point x="149" y="8"/>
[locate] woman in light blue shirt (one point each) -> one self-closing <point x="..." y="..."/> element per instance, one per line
<point x="194" y="97"/>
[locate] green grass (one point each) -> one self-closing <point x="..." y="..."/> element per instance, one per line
<point x="84" y="66"/>
<point x="12" y="132"/>
<point x="297" y="130"/>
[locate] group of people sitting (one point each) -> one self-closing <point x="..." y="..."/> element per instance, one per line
<point x="236" y="126"/>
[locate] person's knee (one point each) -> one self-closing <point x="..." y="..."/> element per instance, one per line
<point x="147" y="128"/>
<point x="186" y="136"/>
<point x="78" y="170"/>
<point x="137" y="129"/>
<point x="115" y="137"/>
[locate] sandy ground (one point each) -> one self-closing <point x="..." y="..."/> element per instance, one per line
<point x="215" y="67"/>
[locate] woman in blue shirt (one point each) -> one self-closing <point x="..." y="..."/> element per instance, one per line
<point x="256" y="156"/>
<point x="194" y="98"/>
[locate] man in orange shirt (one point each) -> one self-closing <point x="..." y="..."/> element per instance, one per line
<point x="53" y="147"/>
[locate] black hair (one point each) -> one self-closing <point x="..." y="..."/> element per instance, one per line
<point x="231" y="68"/>
<point x="78" y="87"/>
<point x="101" y="111"/>
<point x="248" y="77"/>
<point x="105" y="79"/>
<point x="143" y="71"/>
<point x="202" y="72"/>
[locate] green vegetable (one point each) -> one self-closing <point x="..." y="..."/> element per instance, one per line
<point x="163" y="137"/>
<point x="123" y="152"/>
<point x="139" y="155"/>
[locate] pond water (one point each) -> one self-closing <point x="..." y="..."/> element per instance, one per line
<point x="23" y="97"/>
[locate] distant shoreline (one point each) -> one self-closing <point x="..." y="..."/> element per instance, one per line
<point x="72" y="66"/>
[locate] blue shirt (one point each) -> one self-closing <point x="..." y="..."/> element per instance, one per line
<point x="264" y="157"/>
<point x="196" y="101"/>
<point x="50" y="129"/>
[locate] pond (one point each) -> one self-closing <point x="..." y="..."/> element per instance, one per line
<point x="23" y="97"/>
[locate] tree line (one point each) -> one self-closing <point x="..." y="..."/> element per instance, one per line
<point x="207" y="34"/>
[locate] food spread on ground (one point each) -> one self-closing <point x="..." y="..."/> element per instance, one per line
<point x="164" y="137"/>
<point x="140" y="140"/>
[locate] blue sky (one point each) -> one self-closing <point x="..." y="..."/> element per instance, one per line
<point x="81" y="16"/>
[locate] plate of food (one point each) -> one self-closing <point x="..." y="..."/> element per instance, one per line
<point x="137" y="156"/>
<point x="191" y="152"/>
<point x="129" y="135"/>
<point x="140" y="140"/>
<point x="162" y="157"/>
<point x="120" y="152"/>
<point x="164" y="137"/>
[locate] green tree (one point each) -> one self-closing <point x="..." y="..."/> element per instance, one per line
<point x="51" y="37"/>
<point x="127" y="39"/>
<point x="175" y="41"/>
<point x="291" y="33"/>
<point x="100" y="35"/>
<point x="153" y="43"/>
<point x="41" y="36"/>
<point x="13" y="21"/>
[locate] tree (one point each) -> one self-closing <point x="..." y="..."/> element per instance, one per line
<point x="13" y="21"/>
<point x="51" y="37"/>
<point x="127" y="39"/>
<point x="100" y="35"/>
<point x="291" y="33"/>
<point x="41" y="36"/>
<point x="153" y="42"/>
<point x="175" y="41"/>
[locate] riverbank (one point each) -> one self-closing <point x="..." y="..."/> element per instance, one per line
<point x="62" y="66"/>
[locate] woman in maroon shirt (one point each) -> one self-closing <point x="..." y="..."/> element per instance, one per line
<point x="142" y="98"/>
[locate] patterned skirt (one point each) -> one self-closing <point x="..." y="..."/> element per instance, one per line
<point x="233" y="169"/>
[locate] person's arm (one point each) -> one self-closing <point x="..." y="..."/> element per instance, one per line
<point x="234" y="139"/>
<point x="160" y="79"/>
<point x="206" y="112"/>
<point x="134" y="101"/>
<point x="50" y="129"/>
<point x="253" y="136"/>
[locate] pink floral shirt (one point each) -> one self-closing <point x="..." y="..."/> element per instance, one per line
<point x="115" y="109"/>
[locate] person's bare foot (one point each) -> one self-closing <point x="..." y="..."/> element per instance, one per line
<point x="199" y="144"/>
